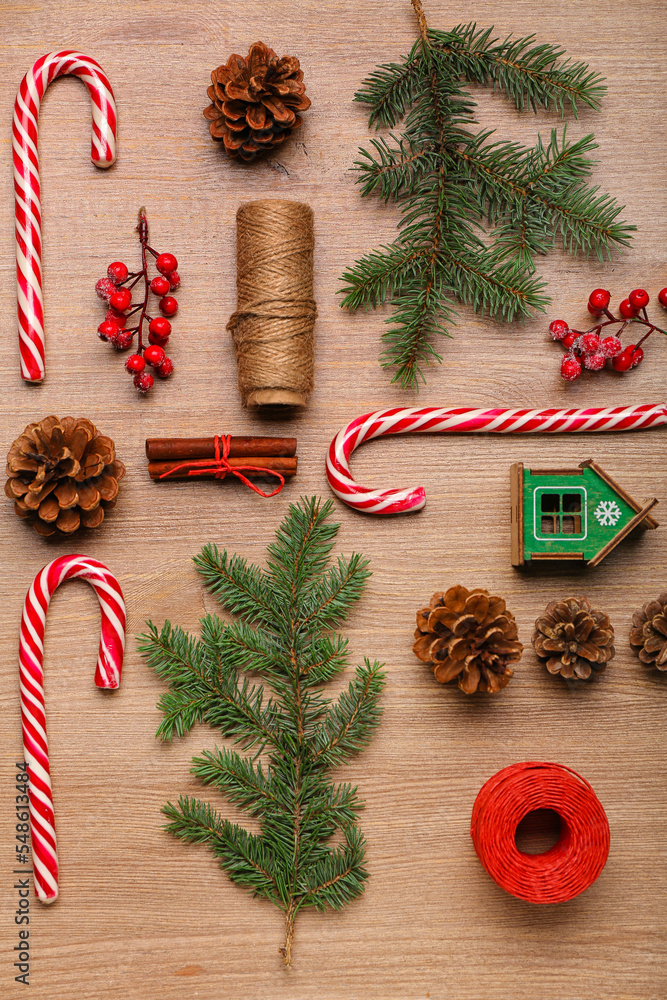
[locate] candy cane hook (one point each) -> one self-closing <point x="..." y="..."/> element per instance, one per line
<point x="31" y="673"/>
<point x="464" y="420"/>
<point x="27" y="186"/>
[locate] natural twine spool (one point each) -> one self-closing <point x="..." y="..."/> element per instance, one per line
<point x="272" y="327"/>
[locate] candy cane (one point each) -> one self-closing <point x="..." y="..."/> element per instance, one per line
<point x="27" y="187"/>
<point x="31" y="673"/>
<point x="464" y="420"/>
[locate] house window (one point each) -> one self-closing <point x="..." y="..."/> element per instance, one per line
<point x="560" y="513"/>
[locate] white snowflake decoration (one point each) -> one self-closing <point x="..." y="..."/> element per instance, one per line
<point x="607" y="513"/>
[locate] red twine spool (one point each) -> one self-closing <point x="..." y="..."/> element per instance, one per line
<point x="572" y="864"/>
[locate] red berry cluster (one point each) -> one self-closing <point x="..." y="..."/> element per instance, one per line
<point x="589" y="349"/>
<point x="116" y="290"/>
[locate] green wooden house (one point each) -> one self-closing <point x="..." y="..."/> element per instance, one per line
<point x="571" y="514"/>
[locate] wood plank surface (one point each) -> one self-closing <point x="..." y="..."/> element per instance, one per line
<point x="142" y="916"/>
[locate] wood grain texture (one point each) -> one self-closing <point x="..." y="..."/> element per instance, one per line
<point x="142" y="916"/>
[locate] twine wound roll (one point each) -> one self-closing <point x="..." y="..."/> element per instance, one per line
<point x="272" y="327"/>
<point x="572" y="864"/>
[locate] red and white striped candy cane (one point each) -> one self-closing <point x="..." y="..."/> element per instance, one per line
<point x="464" y="420"/>
<point x="31" y="673"/>
<point x="27" y="187"/>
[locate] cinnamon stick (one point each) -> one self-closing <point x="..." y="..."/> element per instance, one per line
<point x="166" y="449"/>
<point x="284" y="464"/>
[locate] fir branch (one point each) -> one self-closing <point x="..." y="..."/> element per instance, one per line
<point x="286" y="612"/>
<point x="476" y="213"/>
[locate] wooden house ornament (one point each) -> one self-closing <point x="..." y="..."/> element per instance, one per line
<point x="571" y="514"/>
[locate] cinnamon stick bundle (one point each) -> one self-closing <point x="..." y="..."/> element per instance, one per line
<point x="180" y="469"/>
<point x="166" y="449"/>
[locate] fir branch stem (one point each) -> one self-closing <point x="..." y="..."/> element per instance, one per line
<point x="421" y="17"/>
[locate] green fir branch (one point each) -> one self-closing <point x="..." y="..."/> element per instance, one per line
<point x="285" y="612"/>
<point x="476" y="212"/>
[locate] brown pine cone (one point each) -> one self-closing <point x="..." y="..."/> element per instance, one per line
<point x="470" y="635"/>
<point x="574" y="640"/>
<point x="648" y="635"/>
<point x="62" y="475"/>
<point x="255" y="101"/>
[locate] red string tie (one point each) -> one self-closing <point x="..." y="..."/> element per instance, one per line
<point x="220" y="466"/>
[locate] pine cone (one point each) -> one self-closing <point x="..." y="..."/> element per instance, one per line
<point x="648" y="634"/>
<point x="470" y="635"/>
<point x="63" y="474"/>
<point x="255" y="101"/>
<point x="573" y="639"/>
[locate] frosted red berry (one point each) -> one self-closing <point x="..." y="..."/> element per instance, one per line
<point x="558" y="329"/>
<point x="636" y="356"/>
<point x="160" y="285"/>
<point x="622" y="362"/>
<point x="121" y="299"/>
<point x="117" y="272"/>
<point x="143" y="381"/>
<point x="627" y="310"/>
<point x="155" y="338"/>
<point x="122" y="340"/>
<point x="638" y="298"/>
<point x="160" y="326"/>
<point x="598" y="300"/>
<point x="610" y="347"/>
<point x="107" y="329"/>
<point x="119" y="318"/>
<point x="590" y="343"/>
<point x="154" y="355"/>
<point x="570" y="368"/>
<point x="105" y="288"/>
<point x="174" y="279"/>
<point x="135" y="363"/>
<point x="166" y="263"/>
<point x="568" y="340"/>
<point x="594" y="362"/>
<point x="662" y="297"/>
<point x="165" y="368"/>
<point x="168" y="306"/>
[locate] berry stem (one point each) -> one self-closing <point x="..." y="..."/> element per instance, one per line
<point x="142" y="229"/>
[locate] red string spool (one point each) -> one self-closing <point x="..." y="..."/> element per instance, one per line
<point x="579" y="855"/>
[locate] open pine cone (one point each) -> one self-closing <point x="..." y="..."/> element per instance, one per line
<point x="574" y="640"/>
<point x="470" y="635"/>
<point x="648" y="635"/>
<point x="62" y="475"/>
<point x="255" y="101"/>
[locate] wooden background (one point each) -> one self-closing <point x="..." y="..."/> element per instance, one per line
<point x="140" y="914"/>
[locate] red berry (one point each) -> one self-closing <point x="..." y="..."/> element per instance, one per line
<point x="160" y="285"/>
<point x="135" y="363"/>
<point x="610" y="347"/>
<point x="598" y="300"/>
<point x="622" y="361"/>
<point x="121" y="299"/>
<point x="594" y="362"/>
<point x="626" y="309"/>
<point x="105" y="288"/>
<point x="174" y="279"/>
<point x="117" y="272"/>
<point x="570" y="368"/>
<point x="590" y="343"/>
<point x="558" y="329"/>
<point x="165" y="369"/>
<point x="166" y="263"/>
<point x="168" y="306"/>
<point x="120" y="319"/>
<point x="568" y="340"/>
<point x="122" y="340"/>
<point x="143" y="381"/>
<point x="108" y="329"/>
<point x="636" y="356"/>
<point x="155" y="338"/>
<point x="662" y="297"/>
<point x="154" y="356"/>
<point x="160" y="326"/>
<point x="638" y="298"/>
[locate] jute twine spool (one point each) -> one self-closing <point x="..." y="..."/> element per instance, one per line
<point x="272" y="327"/>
